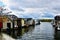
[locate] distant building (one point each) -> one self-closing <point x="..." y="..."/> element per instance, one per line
<point x="30" y="22"/>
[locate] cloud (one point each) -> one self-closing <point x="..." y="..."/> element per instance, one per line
<point x="17" y="9"/>
<point x="33" y="3"/>
<point x="33" y="8"/>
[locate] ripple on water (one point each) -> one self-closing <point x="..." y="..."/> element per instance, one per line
<point x="41" y="32"/>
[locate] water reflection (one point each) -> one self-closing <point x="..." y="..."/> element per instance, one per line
<point x="18" y="33"/>
<point x="44" y="31"/>
<point x="57" y="35"/>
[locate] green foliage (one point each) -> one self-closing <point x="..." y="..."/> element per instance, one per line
<point x="46" y="20"/>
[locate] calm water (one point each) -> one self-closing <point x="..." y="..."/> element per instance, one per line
<point x="44" y="31"/>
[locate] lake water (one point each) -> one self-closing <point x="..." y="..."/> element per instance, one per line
<point x="44" y="31"/>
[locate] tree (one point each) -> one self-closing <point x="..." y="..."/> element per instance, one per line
<point x="2" y="11"/>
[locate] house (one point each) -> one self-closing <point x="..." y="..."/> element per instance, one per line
<point x="20" y="22"/>
<point x="25" y="22"/>
<point x="30" y="22"/>
<point x="37" y="21"/>
<point x="13" y="18"/>
<point x="8" y="21"/>
<point x="57" y="22"/>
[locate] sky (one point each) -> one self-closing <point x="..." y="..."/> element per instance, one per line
<point x="33" y="8"/>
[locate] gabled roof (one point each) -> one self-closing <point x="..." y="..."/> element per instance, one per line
<point x="12" y="17"/>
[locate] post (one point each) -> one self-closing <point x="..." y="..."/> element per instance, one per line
<point x="13" y="28"/>
<point x="19" y="27"/>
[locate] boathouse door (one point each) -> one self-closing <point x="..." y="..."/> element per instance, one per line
<point x="9" y="25"/>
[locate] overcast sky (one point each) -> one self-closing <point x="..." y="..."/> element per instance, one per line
<point x="33" y="8"/>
